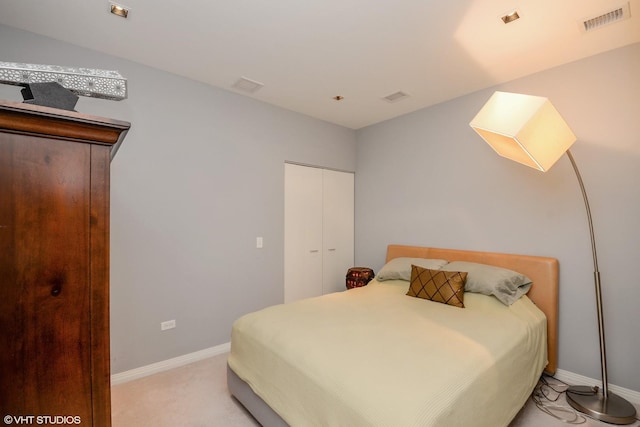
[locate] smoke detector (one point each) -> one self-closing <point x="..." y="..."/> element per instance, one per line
<point x="615" y="15"/>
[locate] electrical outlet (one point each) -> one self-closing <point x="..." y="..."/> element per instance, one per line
<point x="169" y="324"/>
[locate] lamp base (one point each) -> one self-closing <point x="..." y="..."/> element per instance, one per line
<point x="590" y="401"/>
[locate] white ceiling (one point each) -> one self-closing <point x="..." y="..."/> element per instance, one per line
<point x="305" y="52"/>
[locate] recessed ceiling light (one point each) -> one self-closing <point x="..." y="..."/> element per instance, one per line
<point x="510" y="17"/>
<point x="119" y="10"/>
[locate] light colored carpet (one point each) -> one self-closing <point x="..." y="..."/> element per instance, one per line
<point x="196" y="395"/>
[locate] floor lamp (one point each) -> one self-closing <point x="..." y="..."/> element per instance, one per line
<point x="529" y="130"/>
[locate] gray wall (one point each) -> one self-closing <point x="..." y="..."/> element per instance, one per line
<point x="198" y="178"/>
<point x="200" y="175"/>
<point x="427" y="179"/>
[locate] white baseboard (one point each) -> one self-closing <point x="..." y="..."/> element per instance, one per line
<point x="165" y="365"/>
<point x="575" y="379"/>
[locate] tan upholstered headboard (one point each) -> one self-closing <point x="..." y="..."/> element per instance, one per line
<point x="542" y="271"/>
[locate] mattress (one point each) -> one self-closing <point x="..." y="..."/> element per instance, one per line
<point x="373" y="356"/>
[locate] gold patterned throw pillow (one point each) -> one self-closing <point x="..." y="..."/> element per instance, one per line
<point x="446" y="287"/>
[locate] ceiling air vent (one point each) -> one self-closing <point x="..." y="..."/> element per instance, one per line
<point x="607" y="18"/>
<point x="395" y="97"/>
<point x="247" y="85"/>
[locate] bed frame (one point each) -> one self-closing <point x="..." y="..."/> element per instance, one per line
<point x="543" y="271"/>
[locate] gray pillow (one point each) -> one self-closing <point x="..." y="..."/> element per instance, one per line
<point x="400" y="268"/>
<point x="506" y="285"/>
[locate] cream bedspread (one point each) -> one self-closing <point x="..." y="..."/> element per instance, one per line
<point x="373" y="356"/>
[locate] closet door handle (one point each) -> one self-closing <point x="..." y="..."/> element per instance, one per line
<point x="331" y="250"/>
<point x="314" y="251"/>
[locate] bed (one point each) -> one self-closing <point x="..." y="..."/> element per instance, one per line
<point x="373" y="356"/>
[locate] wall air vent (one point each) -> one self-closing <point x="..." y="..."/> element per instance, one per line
<point x="615" y="15"/>
<point x="395" y="97"/>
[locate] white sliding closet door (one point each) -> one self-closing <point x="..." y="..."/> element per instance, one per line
<point x="318" y="231"/>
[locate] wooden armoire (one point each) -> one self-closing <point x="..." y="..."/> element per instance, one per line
<point x="54" y="265"/>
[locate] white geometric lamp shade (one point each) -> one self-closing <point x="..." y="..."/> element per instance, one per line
<point x="524" y="128"/>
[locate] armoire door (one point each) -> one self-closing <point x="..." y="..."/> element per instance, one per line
<point x="319" y="230"/>
<point x="44" y="311"/>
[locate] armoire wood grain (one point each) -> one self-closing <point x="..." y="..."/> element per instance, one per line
<point x="54" y="263"/>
